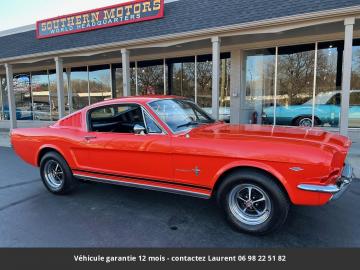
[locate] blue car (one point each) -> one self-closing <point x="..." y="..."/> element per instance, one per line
<point x="20" y="114"/>
<point x="327" y="111"/>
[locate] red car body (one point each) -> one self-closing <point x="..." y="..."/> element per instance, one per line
<point x="191" y="162"/>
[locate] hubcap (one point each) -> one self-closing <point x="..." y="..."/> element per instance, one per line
<point x="54" y="174"/>
<point x="249" y="204"/>
<point x="305" y="122"/>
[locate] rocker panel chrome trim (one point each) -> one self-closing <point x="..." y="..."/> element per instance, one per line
<point x="143" y="186"/>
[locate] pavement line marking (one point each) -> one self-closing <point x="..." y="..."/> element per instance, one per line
<point x="20" y="202"/>
<point x="19" y="184"/>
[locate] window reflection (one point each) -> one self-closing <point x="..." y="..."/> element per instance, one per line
<point x="118" y="75"/>
<point x="295" y="85"/>
<point x="133" y="79"/>
<point x="54" y="95"/>
<point x="260" y="75"/>
<point x="40" y="96"/>
<point x="225" y="71"/>
<point x="99" y="83"/>
<point x="328" y="84"/>
<point x="118" y="80"/>
<point x="23" y="99"/>
<point x="182" y="81"/>
<point x="354" y="110"/>
<point x="204" y="81"/>
<point x="79" y="85"/>
<point x="183" y="77"/>
<point x="4" y="105"/>
<point x="151" y="78"/>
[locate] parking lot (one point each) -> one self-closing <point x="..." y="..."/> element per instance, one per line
<point x="110" y="216"/>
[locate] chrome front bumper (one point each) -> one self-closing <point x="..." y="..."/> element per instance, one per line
<point x="336" y="190"/>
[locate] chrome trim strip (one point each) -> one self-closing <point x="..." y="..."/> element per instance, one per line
<point x="318" y="188"/>
<point x="143" y="186"/>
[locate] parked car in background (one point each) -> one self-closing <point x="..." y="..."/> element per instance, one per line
<point x="170" y="144"/>
<point x="327" y="111"/>
<point x="21" y="114"/>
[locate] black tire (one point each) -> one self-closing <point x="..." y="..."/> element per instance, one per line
<point x="57" y="185"/>
<point x="265" y="185"/>
<point x="298" y="121"/>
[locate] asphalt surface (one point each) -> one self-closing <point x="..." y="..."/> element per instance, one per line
<point x="99" y="215"/>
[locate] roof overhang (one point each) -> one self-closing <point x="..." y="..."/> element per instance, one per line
<point x="257" y="27"/>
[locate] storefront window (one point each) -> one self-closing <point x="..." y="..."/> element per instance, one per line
<point x="182" y="72"/>
<point x="204" y="82"/>
<point x="40" y="96"/>
<point x="23" y="98"/>
<point x="118" y="75"/>
<point x="260" y="76"/>
<point x="80" y="91"/>
<point x="133" y="80"/>
<point x="225" y="71"/>
<point x="354" y="109"/>
<point x="54" y="97"/>
<point x="4" y="104"/>
<point x="100" y="83"/>
<point x="151" y="78"/>
<point x="328" y="84"/>
<point x="118" y="80"/>
<point x="182" y="81"/>
<point x="295" y="85"/>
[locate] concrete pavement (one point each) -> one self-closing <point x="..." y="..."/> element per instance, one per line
<point x="4" y="139"/>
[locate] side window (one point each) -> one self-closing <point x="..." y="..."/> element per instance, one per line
<point x="152" y="127"/>
<point x="335" y="100"/>
<point x="102" y="113"/>
<point x="116" y="118"/>
<point x="355" y="99"/>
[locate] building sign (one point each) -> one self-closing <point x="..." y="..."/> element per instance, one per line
<point x="131" y="12"/>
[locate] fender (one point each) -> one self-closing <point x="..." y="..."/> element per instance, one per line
<point x="256" y="165"/>
<point x="52" y="146"/>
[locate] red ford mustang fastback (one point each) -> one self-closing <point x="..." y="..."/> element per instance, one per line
<point x="170" y="144"/>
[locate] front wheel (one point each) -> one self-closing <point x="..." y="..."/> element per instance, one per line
<point x="56" y="174"/>
<point x="306" y="121"/>
<point x="253" y="202"/>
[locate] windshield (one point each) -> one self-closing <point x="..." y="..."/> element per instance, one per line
<point x="180" y="115"/>
<point x="325" y="98"/>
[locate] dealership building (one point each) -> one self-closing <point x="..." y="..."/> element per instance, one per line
<point x="282" y="62"/>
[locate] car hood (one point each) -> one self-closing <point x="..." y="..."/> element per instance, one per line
<point x="314" y="135"/>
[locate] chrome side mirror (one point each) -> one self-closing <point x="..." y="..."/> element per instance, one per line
<point x="139" y="130"/>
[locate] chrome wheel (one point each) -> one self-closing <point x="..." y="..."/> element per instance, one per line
<point x="249" y="204"/>
<point x="305" y="122"/>
<point x="54" y="174"/>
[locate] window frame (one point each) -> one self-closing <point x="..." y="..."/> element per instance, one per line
<point x="143" y="110"/>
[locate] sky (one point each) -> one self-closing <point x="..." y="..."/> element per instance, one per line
<point x="16" y="13"/>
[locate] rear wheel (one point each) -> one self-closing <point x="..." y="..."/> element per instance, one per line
<point x="56" y="174"/>
<point x="253" y="202"/>
<point x="306" y="121"/>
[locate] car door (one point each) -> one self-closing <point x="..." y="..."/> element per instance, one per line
<point x="114" y="149"/>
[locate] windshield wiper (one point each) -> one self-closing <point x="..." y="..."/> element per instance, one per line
<point x="192" y="123"/>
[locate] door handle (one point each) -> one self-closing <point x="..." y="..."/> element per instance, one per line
<point x="88" y="138"/>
